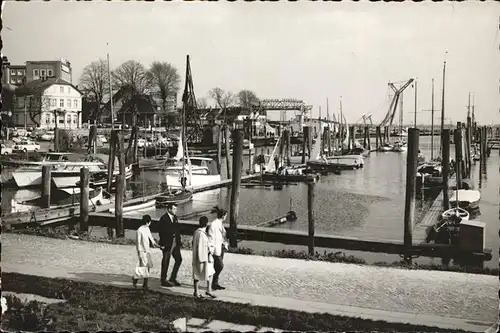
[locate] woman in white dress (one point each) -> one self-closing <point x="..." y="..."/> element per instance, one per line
<point x="144" y="242"/>
<point x="203" y="263"/>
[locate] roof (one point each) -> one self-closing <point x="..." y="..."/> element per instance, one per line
<point x="17" y="67"/>
<point x="40" y="85"/>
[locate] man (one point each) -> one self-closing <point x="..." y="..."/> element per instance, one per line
<point x="217" y="233"/>
<point x="170" y="239"/>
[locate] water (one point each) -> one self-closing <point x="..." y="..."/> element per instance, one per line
<point x="366" y="203"/>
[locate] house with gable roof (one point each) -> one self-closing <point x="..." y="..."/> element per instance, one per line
<point x="48" y="103"/>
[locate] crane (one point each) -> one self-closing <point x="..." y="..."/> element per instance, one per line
<point x="389" y="117"/>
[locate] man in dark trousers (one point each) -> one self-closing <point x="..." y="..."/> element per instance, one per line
<point x="170" y="239"/>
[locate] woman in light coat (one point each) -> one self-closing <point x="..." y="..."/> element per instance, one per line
<point x="144" y="241"/>
<point x="203" y="263"/>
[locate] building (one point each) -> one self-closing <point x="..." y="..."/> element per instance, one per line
<point x="13" y="74"/>
<point x="48" y="103"/>
<point x="18" y="75"/>
<point x="36" y="70"/>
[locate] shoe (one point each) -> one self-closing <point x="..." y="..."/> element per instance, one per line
<point x="167" y="284"/>
<point x="210" y="295"/>
<point x="197" y="296"/>
<point x="134" y="282"/>
<point x="174" y="283"/>
<point x="218" y="287"/>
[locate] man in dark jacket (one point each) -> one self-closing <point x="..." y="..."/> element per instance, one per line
<point x="170" y="239"/>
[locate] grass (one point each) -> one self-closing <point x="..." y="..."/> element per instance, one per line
<point x="102" y="307"/>
<point x="62" y="232"/>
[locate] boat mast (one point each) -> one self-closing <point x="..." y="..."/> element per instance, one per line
<point x="432" y="121"/>
<point x="442" y="105"/>
<point x="341" y="126"/>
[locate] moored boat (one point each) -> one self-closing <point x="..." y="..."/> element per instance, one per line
<point x="178" y="197"/>
<point x="465" y="199"/>
<point x="133" y="206"/>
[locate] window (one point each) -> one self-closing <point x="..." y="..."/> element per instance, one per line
<point x="61" y="89"/>
<point x="53" y="102"/>
<point x="74" y="119"/>
<point x="61" y="103"/>
<point x="61" y="121"/>
<point x="49" y="73"/>
<point x="42" y="72"/>
<point x="13" y="81"/>
<point x="35" y="72"/>
<point x="19" y="72"/>
<point x="19" y="81"/>
<point x="12" y="72"/>
<point x="68" y="103"/>
<point x="75" y="103"/>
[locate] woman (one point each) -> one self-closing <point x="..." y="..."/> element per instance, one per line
<point x="145" y="264"/>
<point x="218" y="234"/>
<point x="203" y="263"/>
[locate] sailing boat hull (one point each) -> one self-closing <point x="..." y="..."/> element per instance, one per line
<point x="196" y="180"/>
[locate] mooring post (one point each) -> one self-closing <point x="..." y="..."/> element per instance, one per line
<point x="228" y="147"/>
<point x="458" y="156"/>
<point x="483" y="144"/>
<point x="309" y="143"/>
<point x="219" y="148"/>
<point x="288" y="147"/>
<point x="249" y="124"/>
<point x="235" y="186"/>
<point x="467" y="153"/>
<point x="310" y="216"/>
<point x="305" y="135"/>
<point x="377" y="137"/>
<point x="111" y="160"/>
<point x="84" y="199"/>
<point x="445" y="138"/>
<point x="120" y="194"/>
<point x="411" y="173"/>
<point x="46" y="185"/>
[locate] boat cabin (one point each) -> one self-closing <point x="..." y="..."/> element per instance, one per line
<point x="209" y="163"/>
<point x="56" y="157"/>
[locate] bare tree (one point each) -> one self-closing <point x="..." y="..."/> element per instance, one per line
<point x="223" y="98"/>
<point x="202" y="103"/>
<point x="94" y="83"/>
<point x="131" y="74"/>
<point x="247" y="98"/>
<point x="164" y="79"/>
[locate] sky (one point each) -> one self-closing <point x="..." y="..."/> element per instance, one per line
<point x="311" y="51"/>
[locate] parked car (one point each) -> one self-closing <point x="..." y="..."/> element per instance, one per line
<point x="26" y="146"/>
<point x="47" y="136"/>
<point x="6" y="150"/>
<point x="102" y="138"/>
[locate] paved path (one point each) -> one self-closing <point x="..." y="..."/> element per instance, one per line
<point x="444" y="299"/>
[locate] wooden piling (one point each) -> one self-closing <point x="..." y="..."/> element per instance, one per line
<point x="111" y="160"/>
<point x="445" y="139"/>
<point x="458" y="156"/>
<point x="120" y="194"/>
<point x="46" y="185"/>
<point x="305" y="135"/>
<point x="250" y="127"/>
<point x="228" y="147"/>
<point x="288" y="147"/>
<point x="310" y="216"/>
<point x="482" y="144"/>
<point x="377" y="137"/>
<point x="368" y="138"/>
<point x="219" y="148"/>
<point x="329" y="131"/>
<point x="84" y="199"/>
<point x="235" y="186"/>
<point x="57" y="138"/>
<point x="411" y="172"/>
<point x="309" y="142"/>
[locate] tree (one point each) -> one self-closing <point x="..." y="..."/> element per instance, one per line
<point x="131" y="74"/>
<point x="247" y="98"/>
<point x="94" y="83"/>
<point x="222" y="98"/>
<point x="164" y="79"/>
<point x="33" y="101"/>
<point x="202" y="103"/>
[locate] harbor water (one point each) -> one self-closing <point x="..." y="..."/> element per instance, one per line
<point x="367" y="203"/>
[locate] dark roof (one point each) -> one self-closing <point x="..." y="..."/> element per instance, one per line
<point x="17" y="67"/>
<point x="231" y="113"/>
<point x="41" y="85"/>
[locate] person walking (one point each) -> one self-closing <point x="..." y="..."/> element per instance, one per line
<point x="170" y="239"/>
<point x="144" y="241"/>
<point x="217" y="232"/>
<point x="203" y="262"/>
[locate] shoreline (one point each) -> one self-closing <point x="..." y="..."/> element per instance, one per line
<point x="62" y="232"/>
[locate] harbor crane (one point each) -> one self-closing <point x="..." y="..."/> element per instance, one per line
<point x="389" y="117"/>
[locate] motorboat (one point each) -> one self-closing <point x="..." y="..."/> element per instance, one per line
<point x="465" y="199"/>
<point x="177" y="197"/>
<point x="386" y="147"/>
<point x="199" y="171"/>
<point x="400" y="146"/>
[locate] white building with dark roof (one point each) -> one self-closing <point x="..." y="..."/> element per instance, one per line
<point x="48" y="103"/>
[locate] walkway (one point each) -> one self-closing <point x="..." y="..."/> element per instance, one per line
<point x="444" y="299"/>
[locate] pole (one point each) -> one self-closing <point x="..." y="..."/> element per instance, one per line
<point x="249" y="143"/>
<point x="46" y="184"/>
<point x="415" y="120"/>
<point x="411" y="171"/>
<point x="442" y="102"/>
<point x="310" y="216"/>
<point x="25" y="98"/>
<point x="111" y="94"/>
<point x="235" y="186"/>
<point x="458" y="156"/>
<point x="432" y="122"/>
<point x="446" y="166"/>
<point x="84" y="199"/>
<point x="120" y="193"/>
<point x="305" y="135"/>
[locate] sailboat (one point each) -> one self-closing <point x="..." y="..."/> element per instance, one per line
<point x="194" y="171"/>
